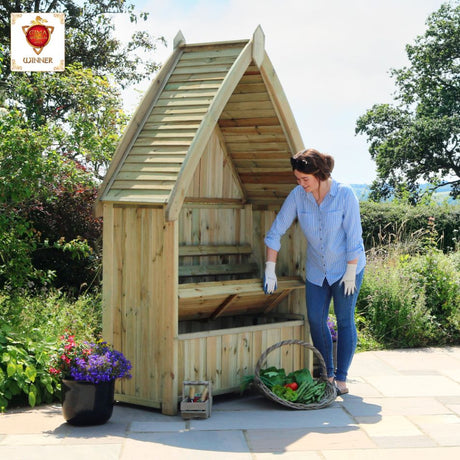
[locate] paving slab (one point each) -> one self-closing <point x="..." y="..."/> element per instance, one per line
<point x="187" y="444"/>
<point x="402" y="404"/>
<point x="424" y="453"/>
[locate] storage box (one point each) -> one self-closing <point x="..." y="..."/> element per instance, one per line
<point x="196" y="408"/>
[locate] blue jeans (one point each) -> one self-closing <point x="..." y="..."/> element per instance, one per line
<point x="318" y="300"/>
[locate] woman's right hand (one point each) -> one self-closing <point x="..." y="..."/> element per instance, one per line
<point x="270" y="280"/>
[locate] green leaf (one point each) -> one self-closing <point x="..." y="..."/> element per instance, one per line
<point x="11" y="369"/>
<point x="31" y="373"/>
<point x="32" y="399"/>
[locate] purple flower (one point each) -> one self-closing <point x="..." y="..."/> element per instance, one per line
<point x="332" y="328"/>
<point x="92" y="362"/>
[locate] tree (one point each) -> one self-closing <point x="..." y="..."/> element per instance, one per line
<point x="49" y="166"/>
<point x="418" y="138"/>
<point x="58" y="132"/>
<point x="90" y="39"/>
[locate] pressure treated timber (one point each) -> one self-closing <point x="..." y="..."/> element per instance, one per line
<point x="224" y="357"/>
<point x="194" y="187"/>
<point x="201" y="300"/>
<point x="205" y="130"/>
<point x="208" y="250"/>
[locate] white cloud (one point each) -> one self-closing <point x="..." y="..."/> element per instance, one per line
<point x="331" y="56"/>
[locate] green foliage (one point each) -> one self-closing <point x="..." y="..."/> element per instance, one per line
<point x="24" y="375"/>
<point x="398" y="223"/>
<point x="80" y="111"/>
<point x="70" y="237"/>
<point x="29" y="331"/>
<point x="419" y="138"/>
<point x="410" y="300"/>
<point x="46" y="193"/>
<point x="90" y="40"/>
<point x="436" y="276"/>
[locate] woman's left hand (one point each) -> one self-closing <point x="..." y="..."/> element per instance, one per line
<point x="349" y="279"/>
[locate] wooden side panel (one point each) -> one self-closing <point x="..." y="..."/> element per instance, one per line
<point x="225" y="357"/>
<point x="214" y="176"/>
<point x="140" y="301"/>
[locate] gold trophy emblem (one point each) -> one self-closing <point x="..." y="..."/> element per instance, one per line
<point x="37" y="34"/>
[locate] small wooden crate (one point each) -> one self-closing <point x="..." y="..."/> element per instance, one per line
<point x="197" y="409"/>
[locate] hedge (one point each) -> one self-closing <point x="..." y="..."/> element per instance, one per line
<point x="391" y="222"/>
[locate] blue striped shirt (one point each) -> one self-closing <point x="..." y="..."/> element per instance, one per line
<point x="332" y="229"/>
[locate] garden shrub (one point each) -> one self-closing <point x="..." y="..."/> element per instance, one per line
<point x="70" y="237"/>
<point x="436" y="275"/>
<point x="30" y="327"/>
<point x="411" y="300"/>
<point x="394" y="222"/>
<point x="393" y="307"/>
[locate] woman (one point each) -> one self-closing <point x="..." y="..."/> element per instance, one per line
<point x="328" y="214"/>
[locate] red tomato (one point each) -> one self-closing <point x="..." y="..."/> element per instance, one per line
<point x="292" y="386"/>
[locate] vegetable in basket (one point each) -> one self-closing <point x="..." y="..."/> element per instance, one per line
<point x="298" y="386"/>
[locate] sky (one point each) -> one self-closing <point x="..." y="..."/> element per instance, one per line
<point x="332" y="58"/>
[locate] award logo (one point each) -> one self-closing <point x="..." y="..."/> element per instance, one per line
<point x="37" y="42"/>
<point x="37" y="34"/>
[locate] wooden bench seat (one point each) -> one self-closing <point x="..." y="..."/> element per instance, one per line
<point x="235" y="297"/>
<point x="213" y="299"/>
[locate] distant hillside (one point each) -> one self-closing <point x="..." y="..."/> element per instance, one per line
<point x="362" y="192"/>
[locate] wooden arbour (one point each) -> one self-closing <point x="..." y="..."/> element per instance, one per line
<point x="194" y="185"/>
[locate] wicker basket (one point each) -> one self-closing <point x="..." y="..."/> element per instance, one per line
<point x="329" y="394"/>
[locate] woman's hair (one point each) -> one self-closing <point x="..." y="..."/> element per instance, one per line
<point x="310" y="161"/>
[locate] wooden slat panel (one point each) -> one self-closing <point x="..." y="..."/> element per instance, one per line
<point x="250" y="88"/>
<point x="191" y="101"/>
<point x="223" y="123"/>
<point x="209" y="54"/>
<point x="282" y="177"/>
<point x="163" y="144"/>
<point x="231" y="354"/>
<point x="188" y="59"/>
<point x="192" y="93"/>
<point x="200" y="250"/>
<point x="217" y="269"/>
<point x="189" y="110"/>
<point x="167" y="159"/>
<point x="249" y="97"/>
<point x="237" y="131"/>
<point x="160" y="176"/>
<point x="176" y="118"/>
<point x="255" y="148"/>
<point x="137" y="196"/>
<point x="255" y="138"/>
<point x="187" y="86"/>
<point x="244" y="105"/>
<point x="160" y="128"/>
<point x="256" y="113"/>
<point x="158" y="150"/>
<point x="144" y="185"/>
<point x="255" y="165"/>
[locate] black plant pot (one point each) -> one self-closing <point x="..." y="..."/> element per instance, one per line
<point x="85" y="403"/>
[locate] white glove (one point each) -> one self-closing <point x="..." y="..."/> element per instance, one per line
<point x="270" y="281"/>
<point x="349" y="279"/>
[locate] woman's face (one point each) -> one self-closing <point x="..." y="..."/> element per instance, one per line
<point x="307" y="181"/>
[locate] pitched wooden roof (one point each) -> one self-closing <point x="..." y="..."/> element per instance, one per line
<point x="231" y="85"/>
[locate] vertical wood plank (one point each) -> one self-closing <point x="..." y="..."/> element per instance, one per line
<point x="108" y="274"/>
<point x="168" y="317"/>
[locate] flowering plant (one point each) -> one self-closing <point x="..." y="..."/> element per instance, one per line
<point x="89" y="362"/>
<point x="332" y="328"/>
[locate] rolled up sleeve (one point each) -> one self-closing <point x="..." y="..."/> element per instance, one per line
<point x="282" y="222"/>
<point x="352" y="227"/>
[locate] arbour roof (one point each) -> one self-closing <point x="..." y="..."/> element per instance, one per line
<point x="231" y="85"/>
